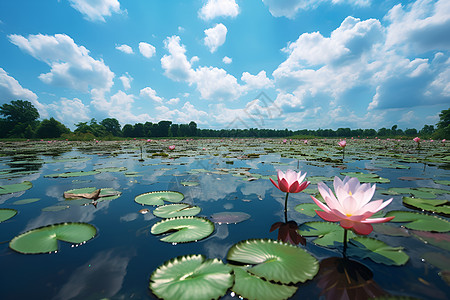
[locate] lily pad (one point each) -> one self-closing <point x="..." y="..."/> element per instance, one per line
<point x="317" y="179"/>
<point x="254" y="288"/>
<point x="176" y="210"/>
<point x="434" y="205"/>
<point x="444" y="182"/>
<point x="111" y="169"/>
<point x="55" y="208"/>
<point x="308" y="209"/>
<point x="191" y="277"/>
<point x="441" y="240"/>
<point x="229" y="217"/>
<point x="328" y="234"/>
<point x="376" y="250"/>
<point x="92" y="193"/>
<point x="389" y="229"/>
<point x="45" y="239"/>
<point x="418" y="221"/>
<point x="187" y="229"/>
<point x="366" y="177"/>
<point x="274" y="260"/>
<point x="14" y="188"/>
<point x="6" y="214"/>
<point x="72" y="174"/>
<point x="438" y="260"/>
<point x="189" y="183"/>
<point x="415" y="192"/>
<point x="158" y="198"/>
<point x="26" y="201"/>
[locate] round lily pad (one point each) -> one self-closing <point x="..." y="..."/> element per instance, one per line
<point x="418" y="221"/>
<point x="328" y="234"/>
<point x="16" y="187"/>
<point x="176" y="210"/>
<point x="187" y="229"/>
<point x="308" y="209"/>
<point x="26" y="201"/>
<point x="440" y="206"/>
<point x="229" y="217"/>
<point x="274" y="260"/>
<point x="253" y="287"/>
<point x="191" y="277"/>
<point x="158" y="198"/>
<point x="366" y="177"/>
<point x="45" y="239"/>
<point x="72" y="174"/>
<point x="376" y="250"/>
<point x="7" y="213"/>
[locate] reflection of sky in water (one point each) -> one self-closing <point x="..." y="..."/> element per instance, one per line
<point x="117" y="274"/>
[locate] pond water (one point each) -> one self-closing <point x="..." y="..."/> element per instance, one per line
<point x="217" y="176"/>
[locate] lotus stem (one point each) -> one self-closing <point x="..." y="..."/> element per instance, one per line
<point x="285" y="207"/>
<point x="344" y="252"/>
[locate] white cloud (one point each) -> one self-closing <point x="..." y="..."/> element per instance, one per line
<point x="125" y="49"/>
<point x="219" y="8"/>
<point x="173" y="101"/>
<point x="424" y="27"/>
<point x="176" y="66"/>
<point x="151" y="93"/>
<point x="126" y="81"/>
<point x="256" y="82"/>
<point x="71" y="65"/>
<point x="289" y="8"/>
<point x="189" y="113"/>
<point x="227" y="60"/>
<point x="10" y="89"/>
<point x="96" y="10"/>
<point x="118" y="106"/>
<point x="70" y="112"/>
<point x="215" y="37"/>
<point x="146" y="49"/>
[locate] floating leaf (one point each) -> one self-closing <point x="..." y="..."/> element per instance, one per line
<point x="191" y="277"/>
<point x="189" y="183"/>
<point x="92" y="193"/>
<point x="26" y="201"/>
<point x="6" y="214"/>
<point x="433" y="205"/>
<point x="187" y="229"/>
<point x="274" y="260"/>
<point x="441" y="240"/>
<point x="444" y="182"/>
<point x="45" y="239"/>
<point x="308" y="209"/>
<point x="317" y="179"/>
<point x="14" y="188"/>
<point x="176" y="210"/>
<point x="376" y="250"/>
<point x="55" y="208"/>
<point x="415" y="192"/>
<point x="111" y="169"/>
<point x="366" y="177"/>
<point x="229" y="217"/>
<point x="438" y="260"/>
<point x="72" y="174"/>
<point x="388" y="229"/>
<point x="328" y="234"/>
<point x="253" y="287"/>
<point x="158" y="198"/>
<point x="420" y="221"/>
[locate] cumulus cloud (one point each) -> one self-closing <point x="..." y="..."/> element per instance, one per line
<point x="422" y="26"/>
<point x="146" y="49"/>
<point x="219" y="8"/>
<point x="256" y="82"/>
<point x="125" y="49"/>
<point x="151" y="93"/>
<point x="173" y="101"/>
<point x="126" y="81"/>
<point x="71" y="65"/>
<point x="289" y="8"/>
<point x="215" y="37"/>
<point x="70" y="111"/>
<point x="175" y="65"/>
<point x="227" y="60"/>
<point x="96" y="10"/>
<point x="189" y="113"/>
<point x="10" y="89"/>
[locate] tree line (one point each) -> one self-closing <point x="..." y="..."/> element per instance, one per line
<point x="20" y="119"/>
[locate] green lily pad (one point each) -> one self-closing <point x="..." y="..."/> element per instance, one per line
<point x="308" y="209"/>
<point x="415" y="192"/>
<point x="376" y="250"/>
<point x="55" y="208"/>
<point x="229" y="217"/>
<point x="90" y="193"/>
<point x="328" y="234"/>
<point x="111" y="169"/>
<point x="366" y="177"/>
<point x="253" y="287"/>
<point x="72" y="174"/>
<point x="433" y="205"/>
<point x="187" y="229"/>
<point x="176" y="210"/>
<point x="274" y="260"/>
<point x="6" y="214"/>
<point x="418" y="221"/>
<point x="441" y="240"/>
<point x="158" y="198"/>
<point x="45" y="239"/>
<point x="189" y="183"/>
<point x="191" y="277"/>
<point x="444" y="182"/>
<point x="14" y="188"/>
<point x="389" y="229"/>
<point x="26" y="201"/>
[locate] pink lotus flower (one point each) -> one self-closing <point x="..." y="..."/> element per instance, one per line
<point x="171" y="147"/>
<point x="342" y="143"/>
<point x="305" y="142"/>
<point x="351" y="207"/>
<point x="284" y="141"/>
<point x="416" y="139"/>
<point x="291" y="182"/>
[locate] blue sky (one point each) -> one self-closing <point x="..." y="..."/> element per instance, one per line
<point x="229" y="63"/>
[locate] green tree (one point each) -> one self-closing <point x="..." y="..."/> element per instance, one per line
<point x="112" y="126"/>
<point x="127" y="130"/>
<point x="18" y="115"/>
<point x="193" y="128"/>
<point x="443" y="126"/>
<point x="51" y="128"/>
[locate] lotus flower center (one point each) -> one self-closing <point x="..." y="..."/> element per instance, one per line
<point x="350" y="193"/>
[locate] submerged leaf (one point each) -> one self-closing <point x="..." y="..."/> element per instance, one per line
<point x="191" y="277"/>
<point x="229" y="217"/>
<point x="376" y="250"/>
